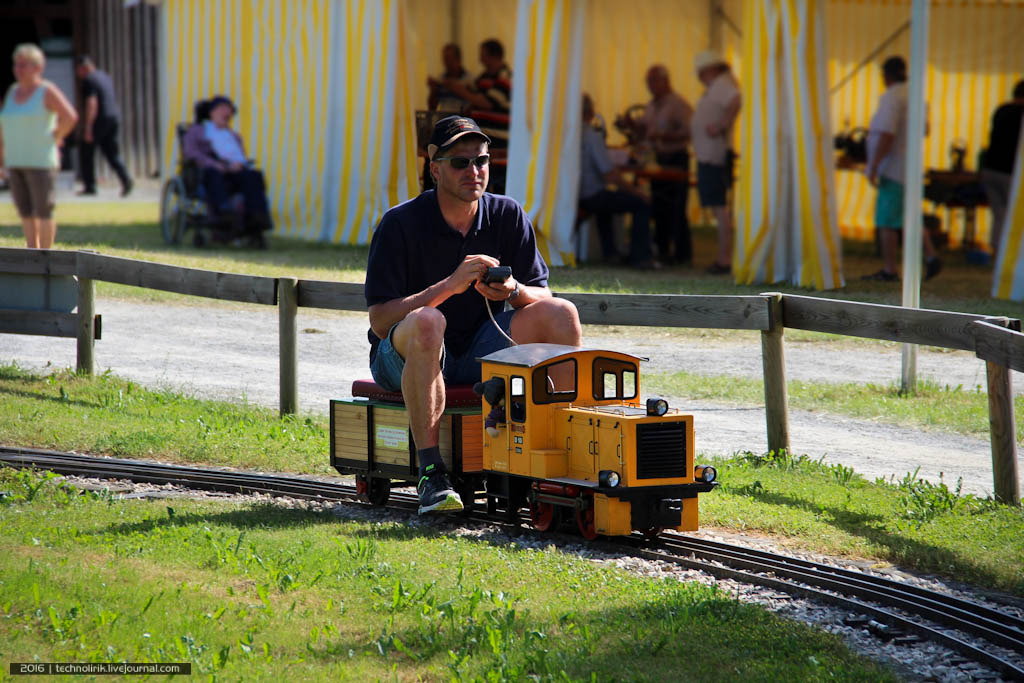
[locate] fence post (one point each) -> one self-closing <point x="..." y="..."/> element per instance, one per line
<point x="86" y="325"/>
<point x="773" y="359"/>
<point x="1002" y="429"/>
<point x="288" y="306"/>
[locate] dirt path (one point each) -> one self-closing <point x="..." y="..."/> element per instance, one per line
<point x="231" y="353"/>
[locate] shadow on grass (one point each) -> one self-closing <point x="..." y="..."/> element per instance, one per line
<point x="252" y="516"/>
<point x="926" y="556"/>
<point x="36" y="396"/>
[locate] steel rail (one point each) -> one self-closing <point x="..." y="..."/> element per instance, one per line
<point x="818" y="582"/>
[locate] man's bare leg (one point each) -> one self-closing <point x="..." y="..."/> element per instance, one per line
<point x="418" y="339"/>
<point x="550" y="321"/>
<point x="890" y="249"/>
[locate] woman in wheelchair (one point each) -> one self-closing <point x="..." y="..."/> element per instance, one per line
<point x="219" y="153"/>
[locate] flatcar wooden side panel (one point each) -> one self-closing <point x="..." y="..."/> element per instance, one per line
<point x="371" y="435"/>
<point x="390" y="435"/>
<point x="349" y="431"/>
<point x="472" y="443"/>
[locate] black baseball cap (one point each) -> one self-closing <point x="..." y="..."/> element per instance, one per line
<point x="451" y="128"/>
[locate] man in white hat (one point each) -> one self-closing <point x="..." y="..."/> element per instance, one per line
<point x="712" y="145"/>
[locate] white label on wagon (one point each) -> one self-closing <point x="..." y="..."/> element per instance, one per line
<point x="391" y="437"/>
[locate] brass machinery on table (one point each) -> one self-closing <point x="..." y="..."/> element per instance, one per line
<point x="558" y="429"/>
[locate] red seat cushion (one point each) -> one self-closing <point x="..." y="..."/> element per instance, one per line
<point x="455" y="395"/>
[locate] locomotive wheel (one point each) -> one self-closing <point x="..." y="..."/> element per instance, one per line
<point x="379" y="491"/>
<point x="652" y="533"/>
<point x="543" y="516"/>
<point x="585" y="521"/>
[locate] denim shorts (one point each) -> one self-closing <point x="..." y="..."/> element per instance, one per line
<point x="889" y="204"/>
<point x="388" y="364"/>
<point x="713" y="182"/>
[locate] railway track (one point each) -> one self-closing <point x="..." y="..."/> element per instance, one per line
<point x="892" y="609"/>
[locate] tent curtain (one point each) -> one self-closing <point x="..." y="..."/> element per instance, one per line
<point x="1008" y="279"/>
<point x="786" y="216"/>
<point x="545" y="126"/>
<point x="324" y="105"/>
<point x="973" y="62"/>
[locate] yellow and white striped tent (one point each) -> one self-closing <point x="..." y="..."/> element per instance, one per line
<point x="785" y="208"/>
<point x="327" y="89"/>
<point x="324" y="102"/>
<point x="974" y="58"/>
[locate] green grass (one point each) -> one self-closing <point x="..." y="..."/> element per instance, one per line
<point x="130" y="229"/>
<point x="106" y="414"/>
<point x="826" y="508"/>
<point x="831" y="509"/>
<point x="962" y="410"/>
<point x="248" y="592"/>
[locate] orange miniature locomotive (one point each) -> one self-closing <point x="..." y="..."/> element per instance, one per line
<point x="565" y="434"/>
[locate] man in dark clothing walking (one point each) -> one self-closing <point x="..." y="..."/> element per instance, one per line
<point x="998" y="159"/>
<point x="101" y="123"/>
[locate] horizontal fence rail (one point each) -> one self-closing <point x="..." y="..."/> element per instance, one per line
<point x="43" y="323"/>
<point x="996" y="340"/>
<point x="877" y="321"/>
<point x="253" y="289"/>
<point x="671" y="310"/>
<point x="999" y="345"/>
<point x="38" y="261"/>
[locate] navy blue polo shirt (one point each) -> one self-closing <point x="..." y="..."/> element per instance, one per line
<point x="414" y="248"/>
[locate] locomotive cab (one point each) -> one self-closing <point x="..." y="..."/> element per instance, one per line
<point x="574" y="439"/>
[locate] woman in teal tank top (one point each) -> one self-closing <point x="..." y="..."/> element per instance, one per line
<point x="34" y="120"/>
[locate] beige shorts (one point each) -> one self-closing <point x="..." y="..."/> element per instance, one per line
<point x="33" y="191"/>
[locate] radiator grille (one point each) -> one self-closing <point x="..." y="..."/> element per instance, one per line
<point x="661" y="450"/>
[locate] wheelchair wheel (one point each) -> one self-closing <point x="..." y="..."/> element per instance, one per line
<point x="172" y="210"/>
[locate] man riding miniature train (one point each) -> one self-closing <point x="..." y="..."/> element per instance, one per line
<point x="427" y="326"/>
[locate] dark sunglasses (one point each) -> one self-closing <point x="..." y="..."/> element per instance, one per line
<point x="462" y="163"/>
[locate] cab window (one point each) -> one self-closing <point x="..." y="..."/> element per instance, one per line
<point x="517" y="399"/>
<point x="614" y="379"/>
<point x="555" y="382"/>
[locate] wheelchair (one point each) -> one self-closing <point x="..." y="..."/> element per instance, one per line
<point x="182" y="202"/>
<point x="183" y="205"/>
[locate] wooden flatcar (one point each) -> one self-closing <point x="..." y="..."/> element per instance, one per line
<point x="565" y="434"/>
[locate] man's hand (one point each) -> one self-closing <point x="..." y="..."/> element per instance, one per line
<point x="235" y="167"/>
<point x="497" y="291"/>
<point x="872" y="174"/>
<point x="87" y="135"/>
<point x="472" y="268"/>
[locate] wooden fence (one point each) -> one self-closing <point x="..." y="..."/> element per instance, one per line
<point x="996" y="340"/>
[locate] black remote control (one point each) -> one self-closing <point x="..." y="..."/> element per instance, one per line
<point x="497" y="274"/>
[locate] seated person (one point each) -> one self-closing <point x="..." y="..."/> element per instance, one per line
<point x="219" y="153"/>
<point x="490" y="96"/>
<point x="428" y="305"/>
<point x="441" y="97"/>
<point x="596" y="173"/>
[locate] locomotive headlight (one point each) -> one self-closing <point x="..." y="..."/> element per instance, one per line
<point x="705" y="473"/>
<point x="657" y="406"/>
<point x="608" y="478"/>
